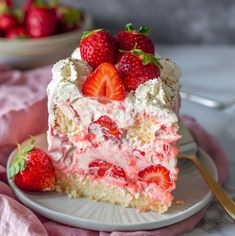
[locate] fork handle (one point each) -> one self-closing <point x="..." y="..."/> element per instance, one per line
<point x="224" y="199"/>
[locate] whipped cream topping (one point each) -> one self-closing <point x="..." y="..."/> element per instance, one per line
<point x="70" y="73"/>
<point x="152" y="92"/>
<point x="67" y="78"/>
<point x="76" y="54"/>
<point x="170" y="75"/>
<point x="170" y="72"/>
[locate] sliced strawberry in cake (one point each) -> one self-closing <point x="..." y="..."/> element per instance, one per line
<point x="156" y="174"/>
<point x="108" y="127"/>
<point x="113" y="128"/>
<point x="100" y="168"/>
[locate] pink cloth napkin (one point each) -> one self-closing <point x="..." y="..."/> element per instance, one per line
<point x="23" y="112"/>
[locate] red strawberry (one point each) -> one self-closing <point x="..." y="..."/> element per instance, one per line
<point x="97" y="46"/>
<point x="156" y="174"/>
<point x="7" y="22"/>
<point x="109" y="127"/>
<point x="17" y="33"/>
<point x="101" y="168"/>
<point x="41" y="21"/>
<point x="130" y="39"/>
<point x="104" y="82"/>
<point x="32" y="169"/>
<point x="136" y="67"/>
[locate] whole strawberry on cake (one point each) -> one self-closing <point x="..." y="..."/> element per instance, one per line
<point x="113" y="125"/>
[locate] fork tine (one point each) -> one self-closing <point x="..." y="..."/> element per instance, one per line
<point x="206" y="101"/>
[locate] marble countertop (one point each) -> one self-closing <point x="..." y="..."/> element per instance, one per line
<point x="210" y="71"/>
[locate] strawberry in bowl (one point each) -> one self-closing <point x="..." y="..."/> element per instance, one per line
<point x="7" y="20"/>
<point x="41" y="20"/>
<point x="17" y="33"/>
<point x="39" y="33"/>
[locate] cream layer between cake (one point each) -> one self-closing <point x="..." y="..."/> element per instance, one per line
<point x="149" y="130"/>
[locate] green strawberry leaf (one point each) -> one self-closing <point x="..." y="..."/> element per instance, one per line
<point x="17" y="167"/>
<point x="157" y="62"/>
<point x="87" y="33"/>
<point x="137" y="52"/>
<point x="146" y="57"/>
<point x="53" y="3"/>
<point x="144" y="30"/>
<point x="3" y="8"/>
<point x="11" y="172"/>
<point x="18" y="14"/>
<point x="72" y="16"/>
<point x="19" y="164"/>
<point x="129" y="27"/>
<point x="22" y="164"/>
<point x="29" y="147"/>
<point x="39" y="3"/>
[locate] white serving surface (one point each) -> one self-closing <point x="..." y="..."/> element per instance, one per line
<point x="210" y="71"/>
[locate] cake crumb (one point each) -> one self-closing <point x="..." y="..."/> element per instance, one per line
<point x="180" y="202"/>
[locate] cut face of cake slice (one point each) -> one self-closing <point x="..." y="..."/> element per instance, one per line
<point x="113" y="145"/>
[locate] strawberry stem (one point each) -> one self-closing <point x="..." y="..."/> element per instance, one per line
<point x="129" y="27"/>
<point x="19" y="164"/>
<point x="146" y="57"/>
<point x="142" y="30"/>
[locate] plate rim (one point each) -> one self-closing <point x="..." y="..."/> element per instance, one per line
<point x="98" y="225"/>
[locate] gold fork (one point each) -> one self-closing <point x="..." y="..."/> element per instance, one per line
<point x="188" y="151"/>
<point x="219" y="193"/>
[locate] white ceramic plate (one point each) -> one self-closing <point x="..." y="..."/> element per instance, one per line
<point x="88" y="214"/>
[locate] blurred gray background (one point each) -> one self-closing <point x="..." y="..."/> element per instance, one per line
<point x="171" y="21"/>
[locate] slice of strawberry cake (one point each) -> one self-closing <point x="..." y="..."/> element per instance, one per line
<point x="113" y="122"/>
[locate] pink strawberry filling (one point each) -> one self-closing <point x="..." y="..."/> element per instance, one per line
<point x="101" y="151"/>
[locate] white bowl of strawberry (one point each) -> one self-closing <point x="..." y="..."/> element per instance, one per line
<point x="39" y="33"/>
